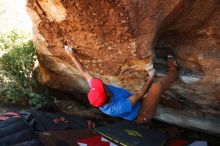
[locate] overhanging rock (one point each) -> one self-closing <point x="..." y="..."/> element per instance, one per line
<point x="114" y="39"/>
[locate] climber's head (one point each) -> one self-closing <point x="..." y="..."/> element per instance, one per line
<point x="97" y="95"/>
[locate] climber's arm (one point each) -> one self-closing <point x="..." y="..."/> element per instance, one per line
<point x="85" y="73"/>
<point x="147" y="85"/>
<point x="142" y="92"/>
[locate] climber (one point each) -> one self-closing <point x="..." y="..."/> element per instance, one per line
<point x="118" y="102"/>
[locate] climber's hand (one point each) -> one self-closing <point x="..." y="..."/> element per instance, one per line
<point x="68" y="50"/>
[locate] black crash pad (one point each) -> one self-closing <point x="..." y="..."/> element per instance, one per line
<point x="130" y="133"/>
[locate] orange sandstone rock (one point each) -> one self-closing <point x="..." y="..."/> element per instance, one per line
<point x="114" y="40"/>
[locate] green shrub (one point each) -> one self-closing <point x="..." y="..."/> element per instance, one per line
<point x="18" y="75"/>
<point x="13" y="39"/>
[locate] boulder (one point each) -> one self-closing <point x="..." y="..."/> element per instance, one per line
<point x="116" y="39"/>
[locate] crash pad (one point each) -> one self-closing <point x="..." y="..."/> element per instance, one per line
<point x="34" y="142"/>
<point x="66" y="137"/>
<point x="177" y="142"/>
<point x="14" y="131"/>
<point x="130" y="133"/>
<point x="199" y="143"/>
<point x="181" y="142"/>
<point x="45" y="121"/>
<point x="95" y="141"/>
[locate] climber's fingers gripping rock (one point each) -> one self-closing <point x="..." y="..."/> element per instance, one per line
<point x="68" y="50"/>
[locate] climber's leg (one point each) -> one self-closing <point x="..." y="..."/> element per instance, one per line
<point x="151" y="100"/>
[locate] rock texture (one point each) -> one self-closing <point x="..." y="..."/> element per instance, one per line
<point x="114" y="39"/>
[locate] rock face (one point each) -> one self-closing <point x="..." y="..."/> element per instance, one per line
<point x="114" y="39"/>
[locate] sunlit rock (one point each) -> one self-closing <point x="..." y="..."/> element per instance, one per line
<point x="114" y="40"/>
